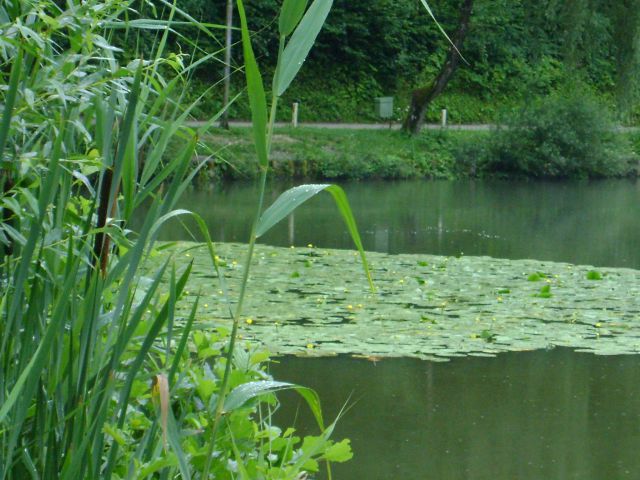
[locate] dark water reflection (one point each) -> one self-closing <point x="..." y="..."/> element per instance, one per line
<point x="579" y="222"/>
<point x="542" y="415"/>
<point x="536" y="415"/>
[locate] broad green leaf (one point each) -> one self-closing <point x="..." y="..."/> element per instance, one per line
<point x="255" y="87"/>
<point x="339" y="452"/>
<point x="312" y="446"/>
<point x="286" y="203"/>
<point x="290" y="15"/>
<point x="301" y="42"/>
<point x="296" y="196"/>
<point x="240" y="395"/>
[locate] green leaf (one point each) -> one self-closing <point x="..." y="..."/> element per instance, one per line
<point x="255" y="87"/>
<point x="175" y="441"/>
<point x="339" y="452"/>
<point x="9" y="103"/>
<point x="536" y="277"/>
<point x="301" y="42"/>
<point x="594" y="275"/>
<point x="290" y="15"/>
<point x="240" y="395"/>
<point x="296" y="196"/>
<point x="545" y="292"/>
<point x="286" y="203"/>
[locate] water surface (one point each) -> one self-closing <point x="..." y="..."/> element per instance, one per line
<point x="551" y="414"/>
<point x="527" y="416"/>
<point x="594" y="223"/>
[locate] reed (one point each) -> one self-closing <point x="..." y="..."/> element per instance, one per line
<point x="99" y="376"/>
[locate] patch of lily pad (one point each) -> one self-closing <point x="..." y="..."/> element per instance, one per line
<point x="315" y="302"/>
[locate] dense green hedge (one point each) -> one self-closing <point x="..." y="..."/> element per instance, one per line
<point x="567" y="135"/>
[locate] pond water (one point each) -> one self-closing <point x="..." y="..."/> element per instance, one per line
<point x="544" y="414"/>
<point x="594" y="223"/>
<point x="527" y="416"/>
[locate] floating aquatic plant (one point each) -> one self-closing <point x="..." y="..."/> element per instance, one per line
<point x="435" y="320"/>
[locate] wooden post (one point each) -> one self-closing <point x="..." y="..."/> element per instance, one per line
<point x="294" y="115"/>
<point x="443" y="118"/>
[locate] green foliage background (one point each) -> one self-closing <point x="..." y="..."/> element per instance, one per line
<point x="516" y="49"/>
<point x="565" y="135"/>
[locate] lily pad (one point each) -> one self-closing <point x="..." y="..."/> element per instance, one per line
<point x="332" y="308"/>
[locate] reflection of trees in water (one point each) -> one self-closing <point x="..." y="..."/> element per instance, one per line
<point x="579" y="222"/>
<point x="548" y="414"/>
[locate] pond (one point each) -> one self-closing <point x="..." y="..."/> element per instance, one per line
<point x="527" y="416"/>
<point x="591" y="223"/>
<point x="544" y="414"/>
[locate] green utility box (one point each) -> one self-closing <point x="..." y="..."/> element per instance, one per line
<point x="384" y="107"/>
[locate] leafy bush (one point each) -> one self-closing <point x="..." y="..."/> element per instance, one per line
<point x="562" y="136"/>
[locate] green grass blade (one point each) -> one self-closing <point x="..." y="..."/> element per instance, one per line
<point x="242" y="394"/>
<point x="136" y="364"/>
<point x="35" y="365"/>
<point x="9" y="103"/>
<point x="288" y="201"/>
<point x="182" y="346"/>
<point x="244" y="474"/>
<point x="433" y="17"/>
<point x="127" y="128"/>
<point x="255" y="87"/>
<point x="290" y="14"/>
<point x="301" y="42"/>
<point x="153" y="24"/>
<point x="130" y="171"/>
<point x="178" y="165"/>
<point x="173" y="437"/>
<point x="347" y="215"/>
<point x="51" y="182"/>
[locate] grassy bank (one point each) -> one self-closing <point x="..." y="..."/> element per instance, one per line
<point x="314" y="153"/>
<point x="341" y="154"/>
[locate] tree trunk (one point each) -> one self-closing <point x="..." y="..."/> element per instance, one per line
<point x="423" y="96"/>
<point x="224" y="120"/>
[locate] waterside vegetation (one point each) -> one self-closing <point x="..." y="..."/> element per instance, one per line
<point x="515" y="51"/>
<point x="101" y="376"/>
<point x="320" y="153"/>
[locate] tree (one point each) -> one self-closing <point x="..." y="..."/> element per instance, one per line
<point x="422" y="97"/>
<point x="626" y="16"/>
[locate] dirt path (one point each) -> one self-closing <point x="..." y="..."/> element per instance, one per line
<point x="358" y="126"/>
<point x="382" y="126"/>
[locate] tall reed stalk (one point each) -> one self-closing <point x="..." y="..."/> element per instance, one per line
<point x="99" y="376"/>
